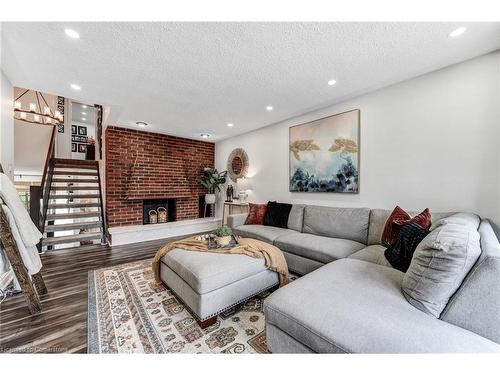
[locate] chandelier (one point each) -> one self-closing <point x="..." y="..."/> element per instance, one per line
<point x="35" y="114"/>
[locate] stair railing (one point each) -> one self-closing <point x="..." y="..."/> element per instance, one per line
<point x="48" y="172"/>
<point x="103" y="213"/>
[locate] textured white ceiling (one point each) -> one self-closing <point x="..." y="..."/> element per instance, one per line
<point x="190" y="78"/>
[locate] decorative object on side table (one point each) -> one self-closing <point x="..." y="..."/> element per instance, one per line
<point x="90" y="151"/>
<point x="223" y="235"/>
<point x="244" y="185"/>
<point x="229" y="193"/>
<point x="324" y="155"/>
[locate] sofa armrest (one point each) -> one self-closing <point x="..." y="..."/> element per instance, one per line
<point x="236" y="220"/>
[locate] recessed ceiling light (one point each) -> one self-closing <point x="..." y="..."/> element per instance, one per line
<point x="72" y="33"/>
<point x="76" y="87"/>
<point x="230" y="125"/>
<point x="332" y="82"/>
<point x="84" y="113"/>
<point x="141" y="124"/>
<point x="269" y="108"/>
<point x="84" y="106"/>
<point x="205" y="135"/>
<point x="84" y="119"/>
<point x="457" y="32"/>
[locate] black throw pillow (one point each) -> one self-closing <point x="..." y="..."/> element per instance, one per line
<point x="399" y="255"/>
<point x="277" y="214"/>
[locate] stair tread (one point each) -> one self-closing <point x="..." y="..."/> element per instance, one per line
<point x="74" y="173"/>
<point x="65" y="188"/>
<point x="73" y="205"/>
<point x="75" y="180"/>
<point x="74" y="196"/>
<point x="69" y="166"/>
<point x="74" y="161"/>
<point x="73" y="226"/>
<point x="73" y="215"/>
<point x="71" y="238"/>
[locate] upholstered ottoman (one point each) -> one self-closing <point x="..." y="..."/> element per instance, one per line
<point x="209" y="283"/>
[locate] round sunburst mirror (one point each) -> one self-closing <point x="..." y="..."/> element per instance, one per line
<point x="237" y="164"/>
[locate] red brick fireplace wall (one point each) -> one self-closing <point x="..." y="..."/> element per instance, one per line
<point x="142" y="165"/>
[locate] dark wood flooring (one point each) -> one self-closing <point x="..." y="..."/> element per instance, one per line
<point x="62" y="325"/>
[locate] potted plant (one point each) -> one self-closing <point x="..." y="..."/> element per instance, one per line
<point x="212" y="180"/>
<point x="223" y="235"/>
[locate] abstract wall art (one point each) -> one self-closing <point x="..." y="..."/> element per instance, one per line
<point x="324" y="154"/>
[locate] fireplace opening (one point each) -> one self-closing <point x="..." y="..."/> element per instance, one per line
<point x="157" y="211"/>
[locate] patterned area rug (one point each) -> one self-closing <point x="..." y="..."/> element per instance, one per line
<point x="130" y="313"/>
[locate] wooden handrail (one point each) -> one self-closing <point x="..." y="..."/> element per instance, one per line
<point x="50" y="154"/>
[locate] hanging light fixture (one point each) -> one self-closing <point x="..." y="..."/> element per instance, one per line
<point x="35" y="114"/>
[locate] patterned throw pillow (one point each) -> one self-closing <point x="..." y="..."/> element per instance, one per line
<point x="399" y="255"/>
<point x="256" y="214"/>
<point x="400" y="217"/>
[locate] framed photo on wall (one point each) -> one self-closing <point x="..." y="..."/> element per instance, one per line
<point x="73" y="147"/>
<point x="79" y="139"/>
<point x="82" y="148"/>
<point x="324" y="155"/>
<point x="82" y="130"/>
<point x="74" y="129"/>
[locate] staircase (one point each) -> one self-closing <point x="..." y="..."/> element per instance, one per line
<point x="72" y="209"/>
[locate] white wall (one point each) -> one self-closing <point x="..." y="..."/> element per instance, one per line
<point x="30" y="148"/>
<point x="6" y="125"/>
<point x="432" y="141"/>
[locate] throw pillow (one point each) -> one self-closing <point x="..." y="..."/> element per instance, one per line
<point x="461" y="218"/>
<point x="400" y="217"/>
<point x="256" y="213"/>
<point x="439" y="265"/>
<point x="399" y="255"/>
<point x="277" y="214"/>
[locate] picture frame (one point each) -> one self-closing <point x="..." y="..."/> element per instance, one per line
<point x="82" y="130"/>
<point x="78" y="139"/>
<point x="324" y="154"/>
<point x="82" y="148"/>
<point x="74" y="129"/>
<point x="74" y="147"/>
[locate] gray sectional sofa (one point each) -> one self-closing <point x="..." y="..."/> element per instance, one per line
<point x="350" y="299"/>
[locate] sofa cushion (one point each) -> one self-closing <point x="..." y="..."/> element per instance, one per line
<point x="399" y="218"/>
<point x="206" y="272"/>
<point x="401" y="252"/>
<point x="261" y="232"/>
<point x="319" y="248"/>
<point x="296" y="217"/>
<point x="256" y="214"/>
<point x="461" y="218"/>
<point x="378" y="217"/>
<point x="439" y="265"/>
<point x="476" y="304"/>
<point x="372" y="254"/>
<point x="347" y="223"/>
<point x="277" y="214"/>
<point x="355" y="306"/>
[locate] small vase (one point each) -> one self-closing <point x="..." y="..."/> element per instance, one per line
<point x="223" y="241"/>
<point x="209" y="198"/>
